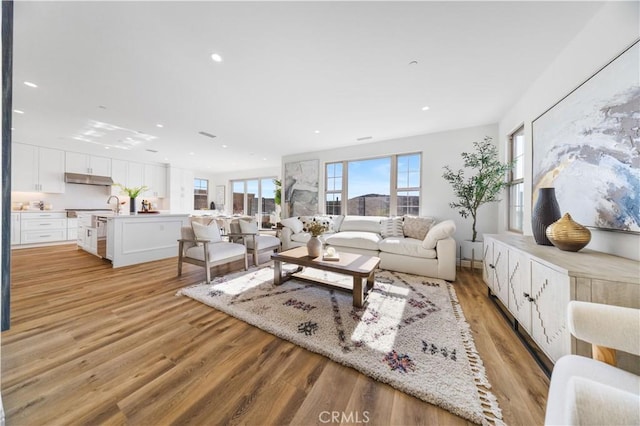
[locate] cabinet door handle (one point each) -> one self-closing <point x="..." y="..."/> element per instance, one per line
<point x="492" y="266"/>
<point x="528" y="297"/>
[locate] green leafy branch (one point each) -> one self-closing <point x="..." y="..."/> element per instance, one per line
<point x="482" y="187"/>
<point x="132" y="192"/>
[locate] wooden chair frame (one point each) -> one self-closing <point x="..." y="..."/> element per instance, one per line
<point x="207" y="264"/>
<point x="255" y="252"/>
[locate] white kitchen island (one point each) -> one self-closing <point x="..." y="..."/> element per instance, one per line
<point x="139" y="238"/>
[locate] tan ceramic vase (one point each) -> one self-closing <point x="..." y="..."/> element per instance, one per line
<point x="314" y="247"/>
<point x="567" y="234"/>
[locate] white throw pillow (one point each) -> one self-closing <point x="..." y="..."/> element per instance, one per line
<point x="440" y="231"/>
<point x="293" y="223"/>
<point x="248" y="227"/>
<point x="391" y="227"/>
<point x="209" y="232"/>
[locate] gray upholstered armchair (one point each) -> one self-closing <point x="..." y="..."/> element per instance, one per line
<point x="207" y="252"/>
<point x="246" y="232"/>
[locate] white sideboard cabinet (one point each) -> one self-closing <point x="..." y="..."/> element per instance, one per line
<point x="535" y="283"/>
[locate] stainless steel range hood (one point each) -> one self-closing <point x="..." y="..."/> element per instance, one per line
<point x="88" y="179"/>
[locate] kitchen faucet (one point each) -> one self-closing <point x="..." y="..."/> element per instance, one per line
<point x="117" y="203"/>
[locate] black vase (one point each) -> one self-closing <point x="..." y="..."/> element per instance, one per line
<point x="132" y="205"/>
<point x="545" y="212"/>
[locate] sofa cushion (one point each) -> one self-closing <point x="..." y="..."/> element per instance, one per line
<point x="391" y="227"/>
<point x="248" y="227"/>
<point x="406" y="247"/>
<point x="417" y="227"/>
<point x="355" y="239"/>
<point x="301" y="237"/>
<point x="263" y="242"/>
<point x="440" y="231"/>
<point x="217" y="251"/>
<point x="294" y="223"/>
<point x="361" y="223"/>
<point x="209" y="232"/>
<point x="330" y="223"/>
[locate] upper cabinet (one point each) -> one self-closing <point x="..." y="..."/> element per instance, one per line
<point x="134" y="175"/>
<point x="155" y="178"/>
<point x="37" y="169"/>
<point x="180" y="190"/>
<point x="87" y="164"/>
<point x="119" y="174"/>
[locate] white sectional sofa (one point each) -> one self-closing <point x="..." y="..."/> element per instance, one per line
<point x="398" y="242"/>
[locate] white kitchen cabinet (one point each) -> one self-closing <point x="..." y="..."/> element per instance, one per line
<point x="155" y="178"/>
<point x="135" y="177"/>
<point x="37" y="169"/>
<point x="72" y="229"/>
<point x="119" y="174"/>
<point x="42" y="227"/>
<point x="15" y="228"/>
<point x="180" y="190"/>
<point x="86" y="164"/>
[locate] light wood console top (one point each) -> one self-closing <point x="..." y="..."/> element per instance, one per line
<point x="582" y="264"/>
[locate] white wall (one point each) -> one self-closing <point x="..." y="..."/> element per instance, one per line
<point x="438" y="150"/>
<point x="610" y="31"/>
<point x="75" y="196"/>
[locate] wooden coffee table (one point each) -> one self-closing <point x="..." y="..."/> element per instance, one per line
<point x="358" y="266"/>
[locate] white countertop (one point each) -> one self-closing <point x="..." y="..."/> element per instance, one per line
<point x="145" y="215"/>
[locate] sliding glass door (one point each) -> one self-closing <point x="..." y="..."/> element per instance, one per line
<point x="255" y="197"/>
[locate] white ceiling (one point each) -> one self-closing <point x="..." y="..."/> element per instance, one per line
<point x="289" y="69"/>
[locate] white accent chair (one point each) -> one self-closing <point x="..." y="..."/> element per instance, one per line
<point x="247" y="232"/>
<point x="207" y="253"/>
<point x="585" y="391"/>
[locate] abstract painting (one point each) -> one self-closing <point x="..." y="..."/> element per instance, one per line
<point x="301" y="188"/>
<point x="587" y="147"/>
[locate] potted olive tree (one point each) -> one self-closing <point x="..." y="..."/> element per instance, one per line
<point x="482" y="186"/>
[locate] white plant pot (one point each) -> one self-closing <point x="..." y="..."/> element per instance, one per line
<point x="472" y="250"/>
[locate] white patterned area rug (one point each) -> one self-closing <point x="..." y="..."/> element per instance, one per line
<point x="411" y="333"/>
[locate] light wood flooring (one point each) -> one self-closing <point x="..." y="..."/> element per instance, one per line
<point x="94" y="345"/>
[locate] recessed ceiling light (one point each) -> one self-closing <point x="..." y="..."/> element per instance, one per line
<point x="225" y="146"/>
<point x="192" y="153"/>
<point x="17" y="111"/>
<point x="30" y="84"/>
<point x="216" y="58"/>
<point x="316" y="132"/>
<point x="425" y="108"/>
<point x="106" y="147"/>
<point x="264" y="159"/>
<point x="166" y="159"/>
<point x="159" y="125"/>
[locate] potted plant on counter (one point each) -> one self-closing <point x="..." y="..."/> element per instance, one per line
<point x="132" y="193"/>
<point x="483" y="186"/>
